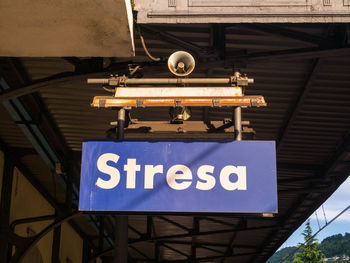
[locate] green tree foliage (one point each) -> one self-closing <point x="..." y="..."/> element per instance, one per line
<point x="281" y="254"/>
<point x="336" y="245"/>
<point x="309" y="251"/>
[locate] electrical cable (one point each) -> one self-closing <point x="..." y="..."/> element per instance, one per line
<point x="324" y="214"/>
<point x="133" y="71"/>
<point x="108" y="90"/>
<point x="334" y="218"/>
<point x="145" y="48"/>
<point x="318" y="222"/>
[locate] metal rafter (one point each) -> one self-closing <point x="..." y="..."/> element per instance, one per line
<point x="293" y="34"/>
<point x="336" y="160"/>
<point x="207" y="244"/>
<point x="206" y="259"/>
<point x="12" y="155"/>
<point x="288" y="166"/>
<point x="41" y="144"/>
<point x="86" y="65"/>
<point x="161" y="240"/>
<point x="175" y="223"/>
<point x="228" y="252"/>
<point x="291" y="54"/>
<point x="51" y="81"/>
<point x="176" y="41"/>
<point x="176" y="250"/>
<point x="218" y="39"/>
<point x="316" y="67"/>
<point x="196" y="229"/>
<point x="204" y="233"/>
<point x="32" y="241"/>
<point x="5" y="207"/>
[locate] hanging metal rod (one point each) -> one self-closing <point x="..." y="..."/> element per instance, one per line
<point x="120" y="81"/>
<point x="243" y="101"/>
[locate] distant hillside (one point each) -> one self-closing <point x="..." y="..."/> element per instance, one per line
<point x="281" y="254"/>
<point x="336" y="245"/>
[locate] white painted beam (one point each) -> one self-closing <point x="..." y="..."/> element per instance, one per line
<point x="242" y="11"/>
<point x="63" y="28"/>
<point x="178" y="92"/>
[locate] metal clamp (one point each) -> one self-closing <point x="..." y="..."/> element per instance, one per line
<point x="255" y="102"/>
<point x="122" y="81"/>
<point x="113" y="80"/>
<point x="216" y="103"/>
<point x="238" y="80"/>
<point x="139" y="103"/>
<point x="177" y="103"/>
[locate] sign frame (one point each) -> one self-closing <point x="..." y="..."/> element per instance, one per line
<point x="88" y="205"/>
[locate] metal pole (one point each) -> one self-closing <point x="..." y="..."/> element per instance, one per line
<point x="121" y="124"/>
<point x="158" y="81"/>
<point x="55" y="254"/>
<point x="121" y="233"/>
<point x="238" y="123"/>
<point x="121" y="240"/>
<point x="5" y="206"/>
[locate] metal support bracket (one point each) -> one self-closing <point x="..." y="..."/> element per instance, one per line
<point x="216" y="103"/>
<point x="139" y="103"/>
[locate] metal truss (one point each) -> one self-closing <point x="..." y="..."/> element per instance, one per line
<point x="51" y="157"/>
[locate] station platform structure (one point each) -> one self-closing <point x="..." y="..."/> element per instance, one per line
<point x="300" y="64"/>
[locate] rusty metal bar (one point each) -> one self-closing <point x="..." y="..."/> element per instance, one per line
<point x="244" y="101"/>
<point x="176" y="92"/>
<point x="115" y="81"/>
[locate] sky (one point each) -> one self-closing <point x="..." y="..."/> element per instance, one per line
<point x="333" y="206"/>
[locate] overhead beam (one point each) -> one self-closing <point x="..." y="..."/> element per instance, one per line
<point x="274" y="29"/>
<point x="316" y="67"/>
<point x="176" y="250"/>
<point x="299" y="166"/>
<point x="52" y="81"/>
<point x="207" y="259"/>
<point x="282" y="222"/>
<point x="313" y="179"/>
<point x="337" y="160"/>
<point x="5" y="207"/>
<point x="238" y="229"/>
<point x="341" y="175"/>
<point x="174" y="40"/>
<point x="292" y="54"/>
<point x="12" y="155"/>
<point x="39" y="141"/>
<point x="218" y="36"/>
<point x="196" y="229"/>
<point x="228" y="252"/>
<point x="145" y="257"/>
<point x="174" y="223"/>
<point x="86" y="65"/>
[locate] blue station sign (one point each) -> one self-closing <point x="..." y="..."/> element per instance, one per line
<point x="173" y="176"/>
